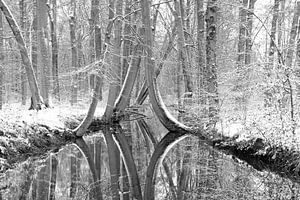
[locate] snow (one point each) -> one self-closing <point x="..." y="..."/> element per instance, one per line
<point x="17" y="114"/>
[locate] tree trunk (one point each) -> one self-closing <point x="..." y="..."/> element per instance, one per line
<point x="200" y="58"/>
<point x="42" y="21"/>
<point x="54" y="42"/>
<point x="93" y="23"/>
<point x="114" y="86"/>
<point x="97" y="90"/>
<point x="211" y="84"/>
<point x="182" y="49"/>
<point x="23" y="20"/>
<point x="72" y="23"/>
<point x="272" y="48"/>
<point x="36" y="98"/>
<point x="1" y="60"/>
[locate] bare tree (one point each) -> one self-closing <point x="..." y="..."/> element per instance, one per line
<point x="36" y="97"/>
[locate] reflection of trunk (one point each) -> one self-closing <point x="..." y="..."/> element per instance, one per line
<point x="1" y="60"/>
<point x="95" y="191"/>
<point x="72" y="23"/>
<point x="25" y="187"/>
<point x="133" y="178"/>
<point x="161" y="149"/>
<point x="23" y="20"/>
<point x="36" y="98"/>
<point x="42" y="48"/>
<point x="54" y="42"/>
<point x="43" y="181"/>
<point x="114" y="167"/>
<point x="74" y="175"/>
<point x="148" y="135"/>
<point x="53" y="173"/>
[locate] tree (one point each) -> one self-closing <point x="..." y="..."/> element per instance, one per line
<point x="42" y="23"/>
<point x="211" y="85"/>
<point x="1" y="60"/>
<point x="257" y="152"/>
<point x="36" y="97"/>
<point x="54" y="42"/>
<point x="23" y="27"/>
<point x="72" y="24"/>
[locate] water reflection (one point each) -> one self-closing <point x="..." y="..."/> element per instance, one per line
<point x="86" y="170"/>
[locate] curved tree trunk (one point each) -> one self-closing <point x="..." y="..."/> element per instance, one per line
<point x="36" y="97"/>
<point x="157" y="104"/>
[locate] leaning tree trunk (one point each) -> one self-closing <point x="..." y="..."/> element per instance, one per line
<point x="23" y="20"/>
<point x="36" y="97"/>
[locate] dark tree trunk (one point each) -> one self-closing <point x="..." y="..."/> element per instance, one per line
<point x="211" y="84"/>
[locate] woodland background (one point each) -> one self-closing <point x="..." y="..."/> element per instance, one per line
<point x="228" y="69"/>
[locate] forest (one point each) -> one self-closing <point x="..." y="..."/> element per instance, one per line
<point x="149" y="99"/>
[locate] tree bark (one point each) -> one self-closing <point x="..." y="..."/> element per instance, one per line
<point x="211" y="84"/>
<point x="42" y="21"/>
<point x="54" y="42"/>
<point x="23" y="20"/>
<point x="36" y="97"/>
<point x="292" y="37"/>
<point x="1" y="60"/>
<point x="114" y="86"/>
<point x="200" y="58"/>
<point x="74" y="62"/>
